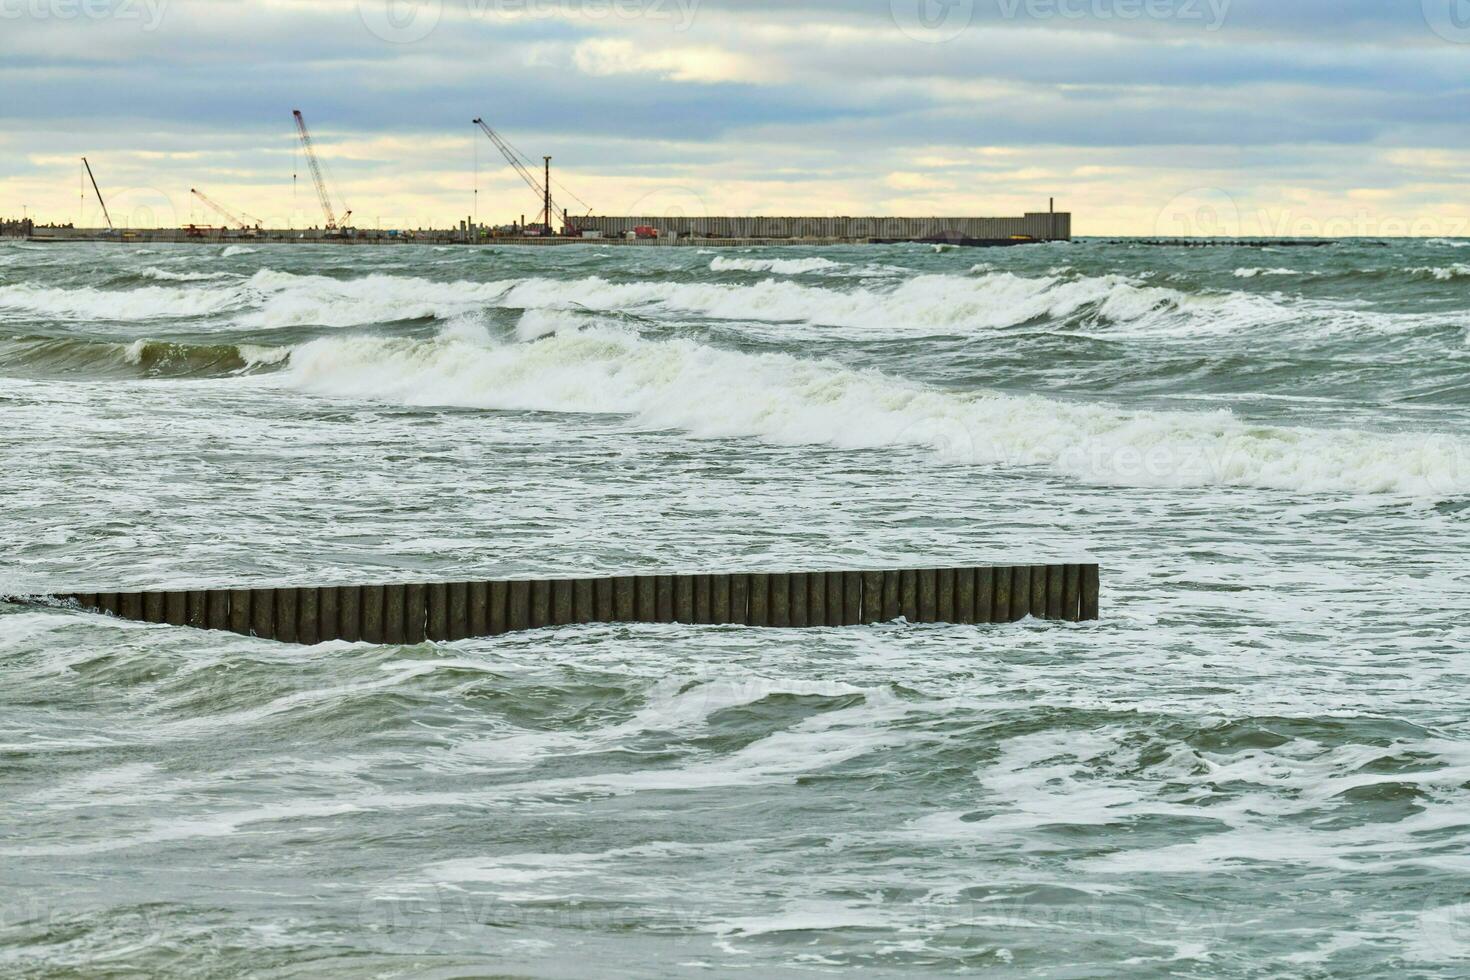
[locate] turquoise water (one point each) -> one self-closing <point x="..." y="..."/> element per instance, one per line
<point x="1257" y="764"/>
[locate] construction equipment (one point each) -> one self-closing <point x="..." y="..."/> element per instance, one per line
<point x="520" y="163"/>
<point x="99" y="195"/>
<point x="333" y="223"/>
<point x="245" y="221"/>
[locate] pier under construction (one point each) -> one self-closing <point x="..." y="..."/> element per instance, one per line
<point x="632" y="230"/>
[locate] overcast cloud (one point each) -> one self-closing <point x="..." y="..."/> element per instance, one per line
<point x="1141" y="116"/>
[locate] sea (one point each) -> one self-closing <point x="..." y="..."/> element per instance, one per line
<point x="1256" y="764"/>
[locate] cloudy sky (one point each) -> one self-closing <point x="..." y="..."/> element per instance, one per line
<point x="1140" y="116"/>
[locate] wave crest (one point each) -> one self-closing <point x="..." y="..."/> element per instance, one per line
<point x="714" y="393"/>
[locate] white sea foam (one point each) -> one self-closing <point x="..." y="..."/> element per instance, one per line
<point x="145" y="303"/>
<point x="923" y="304"/>
<point x="715" y="393"/>
<point x="938" y="303"/>
<point x="784" y="267"/>
<point x="1248" y="273"/>
<point x="287" y="300"/>
<point x="1446" y="273"/>
<point x="164" y="275"/>
<point x="234" y="250"/>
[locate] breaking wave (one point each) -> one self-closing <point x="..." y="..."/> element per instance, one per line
<point x="934" y="304"/>
<point x="1442" y="273"/>
<point x="145" y="303"/>
<point x="1245" y="273"/>
<point x="716" y="393"/>
<point x="141" y="358"/>
<point x="783" y="267"/>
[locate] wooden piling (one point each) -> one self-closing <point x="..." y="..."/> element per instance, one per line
<point x="432" y="604"/>
<point x="308" y="622"/>
<point x="459" y="610"/>
<point x="719" y="599"/>
<point x="928" y="584"/>
<point x="563" y="602"/>
<point x="796" y="609"/>
<point x="872" y="604"/>
<point x="419" y="618"/>
<point x="703" y="600"/>
<point x="176" y="608"/>
<point x="683" y="598"/>
<point x="625" y="599"/>
<point x="946" y="610"/>
<point x="663" y="590"/>
<point x="908" y="594"/>
<point x="196" y="609"/>
<point x="852" y="598"/>
<point x="395" y="614"/>
<point x="605" y="591"/>
<point x="241" y="617"/>
<point x="779" y="603"/>
<point x="329" y="615"/>
<point x="584" y="601"/>
<point x="498" y="607"/>
<point x="892" y="596"/>
<point x="1001" y="592"/>
<point x="1039" y="575"/>
<point x="740" y="593"/>
<point x="518" y="602"/>
<point x="540" y="604"/>
<point x="1072" y="593"/>
<point x="285" y="614"/>
<point x="760" y="600"/>
<point x="964" y="596"/>
<point x="1020" y="593"/>
<point x="1090" y="587"/>
<point x="645" y="607"/>
<point x="263" y="613"/>
<point x="351" y="612"/>
<point x="373" y="599"/>
<point x="479" y="609"/>
<point x="215" y="605"/>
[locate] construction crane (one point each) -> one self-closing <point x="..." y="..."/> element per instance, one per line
<point x="245" y="221"/>
<point x="99" y="194"/>
<point x="333" y="223"/>
<point x="518" y="162"/>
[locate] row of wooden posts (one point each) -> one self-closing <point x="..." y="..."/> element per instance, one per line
<point x="412" y="613"/>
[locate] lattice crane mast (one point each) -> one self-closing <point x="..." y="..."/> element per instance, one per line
<point x="245" y="221"/>
<point x="517" y="161"/>
<point x="98" y="191"/>
<point x="333" y="223"/>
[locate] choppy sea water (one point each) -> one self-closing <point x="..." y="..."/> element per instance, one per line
<point x="1257" y="764"/>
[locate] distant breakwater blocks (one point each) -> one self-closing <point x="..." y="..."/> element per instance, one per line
<point x="414" y="613"/>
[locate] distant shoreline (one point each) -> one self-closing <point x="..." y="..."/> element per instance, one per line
<point x="168" y="236"/>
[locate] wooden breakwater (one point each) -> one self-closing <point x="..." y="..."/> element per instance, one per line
<point x="413" y="613"/>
